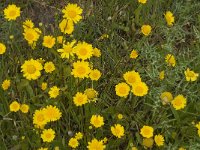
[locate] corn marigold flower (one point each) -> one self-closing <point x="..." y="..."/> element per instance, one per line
<point x="44" y="86"/>
<point x="48" y="135"/>
<point x="134" y="148"/>
<point x="28" y="24"/>
<point x="14" y="106"/>
<point x="147" y="142"/>
<point x="191" y="75"/>
<point x="162" y="75"/>
<point x="169" y="17"/>
<point x="96" y="145"/>
<point x="80" y="99"/>
<point x="122" y="89"/>
<point x="170" y="60"/>
<point x="39" y="118"/>
<point x="97" y="121"/>
<point x="79" y="136"/>
<point x="72" y="12"/>
<point x="52" y="113"/>
<point x="166" y="97"/>
<point x="31" y="69"/>
<point x="147" y="131"/>
<point x="96" y="52"/>
<point x="11" y="12"/>
<point x="91" y="93"/>
<point x="31" y="35"/>
<point x="159" y="140"/>
<point x="49" y="67"/>
<point x="43" y="148"/>
<point x="66" y="26"/>
<point x="81" y="69"/>
<point x="73" y="142"/>
<point x="2" y="48"/>
<point x="83" y="50"/>
<point x="131" y="77"/>
<point x="142" y="1"/>
<point x="95" y="74"/>
<point x="140" y="89"/>
<point x="179" y="102"/>
<point x="24" y="108"/>
<point x="146" y="29"/>
<point x="60" y="39"/>
<point x="67" y="50"/>
<point x="134" y="54"/>
<point x="117" y="130"/>
<point x="5" y="85"/>
<point x="54" y="92"/>
<point x="49" y="41"/>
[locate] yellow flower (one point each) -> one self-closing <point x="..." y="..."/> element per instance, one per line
<point x="48" y="135"/>
<point x="67" y="50"/>
<point x="169" y="17"/>
<point x="79" y="135"/>
<point x="181" y="148"/>
<point x="96" y="145"/>
<point x="66" y="26"/>
<point x="103" y="36"/>
<point x="6" y="84"/>
<point x="162" y="75"/>
<point x="191" y="75"/>
<point x="49" y="67"/>
<point x="43" y="148"/>
<point x="52" y="113"/>
<point x="2" y="48"/>
<point x="49" y="41"/>
<point x="142" y="1"/>
<point x="83" y="50"/>
<point x="170" y="60"/>
<point x="54" y="92"/>
<point x="146" y="29"/>
<point x="105" y="140"/>
<point x="11" y="37"/>
<point x="80" y="99"/>
<point x="119" y="116"/>
<point x="198" y="126"/>
<point x="31" y="69"/>
<point x="159" y="140"/>
<point x="134" y="148"/>
<point x="11" y="12"/>
<point x="96" y="52"/>
<point x="44" y="86"/>
<point x="95" y="74"/>
<point x="117" y="130"/>
<point x="24" y="108"/>
<point x="72" y="12"/>
<point x="97" y="121"/>
<point x="140" y="89"/>
<point x="148" y="142"/>
<point x="198" y="132"/>
<point x="179" y="102"/>
<point x="31" y="35"/>
<point x="132" y="77"/>
<point x="134" y="54"/>
<point x="28" y="24"/>
<point x="59" y="39"/>
<point x="166" y="97"/>
<point x="122" y="89"/>
<point x="14" y="106"/>
<point x="146" y="131"/>
<point x="73" y="142"/>
<point x="80" y="69"/>
<point x="39" y="118"/>
<point x="91" y="93"/>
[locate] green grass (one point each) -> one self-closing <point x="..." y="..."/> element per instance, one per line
<point x="121" y="20"/>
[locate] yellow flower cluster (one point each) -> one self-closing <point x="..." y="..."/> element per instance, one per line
<point x="73" y="142"/>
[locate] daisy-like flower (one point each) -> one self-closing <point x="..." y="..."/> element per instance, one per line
<point x="146" y="29"/>
<point x="83" y="50"/>
<point x="147" y="131"/>
<point x="95" y="74"/>
<point x="67" y="50"/>
<point x="81" y="69"/>
<point x="48" y="135"/>
<point x="91" y="93"/>
<point x="122" y="89"/>
<point x="12" y="12"/>
<point x="134" y="54"/>
<point x="170" y="60"/>
<point x="6" y="84"/>
<point x="39" y="118"/>
<point x="31" y="69"/>
<point x="96" y="52"/>
<point x="166" y="97"/>
<point x="31" y="35"/>
<point x="79" y="135"/>
<point x="52" y="113"/>
<point x="72" y="12"/>
<point x="2" y="48"/>
<point x="97" y="121"/>
<point x="66" y="26"/>
<point x="159" y="140"/>
<point x="14" y="106"/>
<point x="191" y="75"/>
<point x="96" y="145"/>
<point x="80" y="99"/>
<point x="142" y="1"/>
<point x="169" y="17"/>
<point x="24" y="108"/>
<point x="132" y="77"/>
<point x="49" y="67"/>
<point x="28" y="24"/>
<point x="140" y="89"/>
<point x="44" y="86"/>
<point x="162" y="75"/>
<point x="73" y="142"/>
<point x="54" y="92"/>
<point x="147" y="142"/>
<point x="117" y="130"/>
<point x="179" y="102"/>
<point x="49" y="41"/>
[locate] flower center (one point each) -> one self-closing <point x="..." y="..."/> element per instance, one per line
<point x="48" y="135"/>
<point x="131" y="79"/>
<point x="139" y="89"/>
<point x="72" y="14"/>
<point x="122" y="90"/>
<point x="81" y="70"/>
<point x="12" y="13"/>
<point x="67" y="50"/>
<point x="83" y="51"/>
<point x="31" y="69"/>
<point x="30" y="36"/>
<point x="40" y="118"/>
